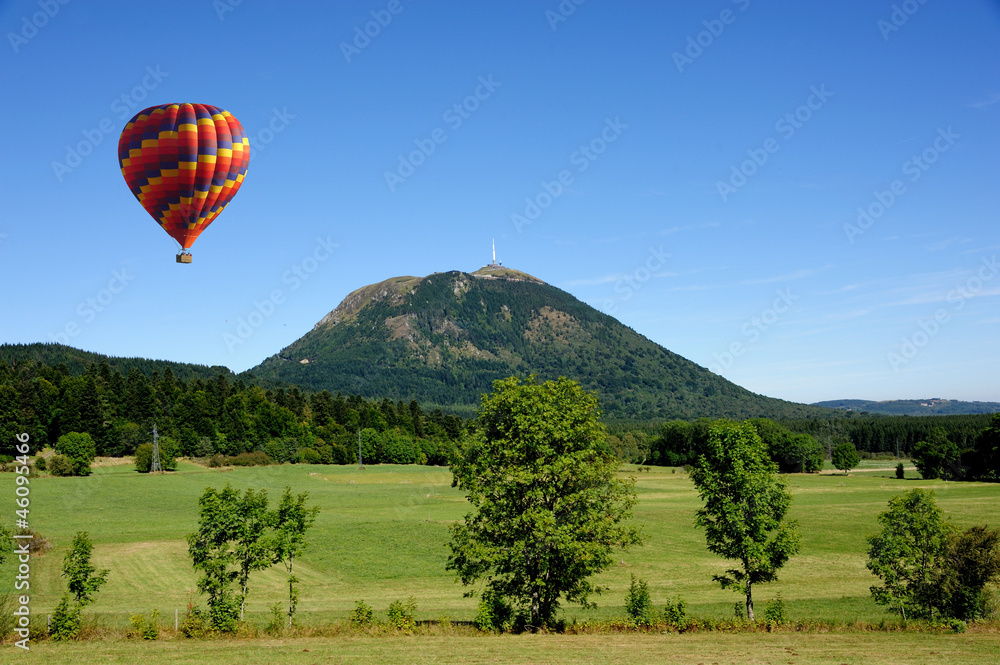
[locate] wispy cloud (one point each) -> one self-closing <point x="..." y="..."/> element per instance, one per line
<point x="606" y="279"/>
<point x="983" y="103"/>
<point x="787" y="277"/>
<point x="945" y="244"/>
<point x="689" y="227"/>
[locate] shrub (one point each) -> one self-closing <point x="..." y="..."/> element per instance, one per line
<point x="80" y="449"/>
<point x="168" y="456"/>
<point x="493" y="613"/>
<point x="224" y="614"/>
<point x="194" y="624"/>
<point x="276" y="450"/>
<point x="310" y="456"/>
<point x="900" y="473"/>
<point x="401" y="614"/>
<point x="256" y="458"/>
<point x="217" y="461"/>
<point x="362" y="615"/>
<point x="203" y="447"/>
<point x="637" y="604"/>
<point x="774" y="613"/>
<point x="675" y="614"/>
<point x="146" y="627"/>
<point x="40" y="463"/>
<point x="37" y="545"/>
<point x="65" y="620"/>
<point x="276" y="624"/>
<point x="60" y="465"/>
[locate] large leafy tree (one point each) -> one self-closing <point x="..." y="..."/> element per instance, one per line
<point x="970" y="563"/>
<point x="937" y="456"/>
<point x="213" y="553"/>
<point x="845" y="457"/>
<point x="906" y="554"/>
<point x="745" y="508"/>
<point x="80" y="449"/>
<point x="291" y="519"/>
<point x="986" y="458"/>
<point x="549" y="509"/>
<point x="251" y="543"/>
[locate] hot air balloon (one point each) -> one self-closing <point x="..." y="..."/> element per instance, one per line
<point x="184" y="163"/>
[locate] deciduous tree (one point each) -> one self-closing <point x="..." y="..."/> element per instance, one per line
<point x="936" y="456"/>
<point x="745" y="507"/>
<point x="84" y="579"/>
<point x="213" y="553"/>
<point x="907" y="552"/>
<point x="291" y="519"/>
<point x="845" y="457"/>
<point x="549" y="509"/>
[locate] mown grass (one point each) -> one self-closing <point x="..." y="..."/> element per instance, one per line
<point x="696" y="649"/>
<point x="382" y="534"/>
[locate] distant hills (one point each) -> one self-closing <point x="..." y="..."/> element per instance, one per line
<point x="443" y="339"/>
<point x="913" y="407"/>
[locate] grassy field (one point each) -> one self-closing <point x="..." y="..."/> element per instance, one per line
<point x="694" y="649"/>
<point x="382" y="534"/>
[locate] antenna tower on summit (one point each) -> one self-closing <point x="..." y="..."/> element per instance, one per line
<point x="495" y="264"/>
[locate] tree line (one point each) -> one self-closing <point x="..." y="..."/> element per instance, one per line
<point x="202" y="418"/>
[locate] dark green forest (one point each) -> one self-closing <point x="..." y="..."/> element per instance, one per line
<point x="208" y="411"/>
<point x="202" y="417"/>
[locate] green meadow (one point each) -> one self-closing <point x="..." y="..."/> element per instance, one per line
<point x="382" y="531"/>
<point x="381" y="536"/>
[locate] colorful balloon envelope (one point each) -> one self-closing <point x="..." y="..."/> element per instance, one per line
<point x="184" y="163"/>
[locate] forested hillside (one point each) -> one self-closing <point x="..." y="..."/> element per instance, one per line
<point x="445" y="338"/>
<point x="205" y="417"/>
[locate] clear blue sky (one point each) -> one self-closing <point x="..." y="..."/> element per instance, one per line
<point x="653" y="221"/>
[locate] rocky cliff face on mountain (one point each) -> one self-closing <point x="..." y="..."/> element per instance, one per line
<point x="443" y="339"/>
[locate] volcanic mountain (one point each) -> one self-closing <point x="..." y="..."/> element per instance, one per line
<point x="443" y="339"/>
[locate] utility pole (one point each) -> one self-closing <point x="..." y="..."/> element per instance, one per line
<point x="360" y="463"/>
<point x="155" y="467"/>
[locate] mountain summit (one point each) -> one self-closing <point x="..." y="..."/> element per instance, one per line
<point x="444" y="338"/>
